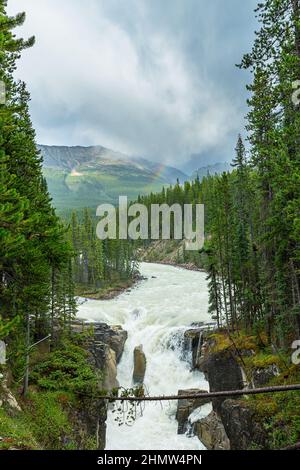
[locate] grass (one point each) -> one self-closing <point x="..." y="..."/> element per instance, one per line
<point x="46" y="415"/>
<point x="15" y="433"/>
<point x="43" y="423"/>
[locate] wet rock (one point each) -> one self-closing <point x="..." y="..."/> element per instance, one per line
<point x="105" y="347"/>
<point x="110" y="371"/>
<point x="211" y="432"/>
<point x="262" y="376"/>
<point x="223" y="373"/>
<point x="140" y="364"/>
<point x="136" y="313"/>
<point x="243" y="431"/>
<point x="197" y="324"/>
<point x="103" y="359"/>
<point x="193" y="341"/>
<point x="114" y="336"/>
<point x="186" y="406"/>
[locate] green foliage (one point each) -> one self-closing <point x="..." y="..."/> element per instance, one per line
<point x="280" y="413"/>
<point x="260" y="361"/>
<point x="46" y="415"/>
<point x="94" y="187"/>
<point x="15" y="433"/>
<point x="7" y="327"/>
<point x="32" y="240"/>
<point x="252" y="214"/>
<point x="98" y="263"/>
<point x="67" y="369"/>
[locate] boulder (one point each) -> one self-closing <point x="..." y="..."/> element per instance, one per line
<point x="262" y="376"/>
<point x="140" y="363"/>
<point x="211" y="432"/>
<point x="187" y="405"/>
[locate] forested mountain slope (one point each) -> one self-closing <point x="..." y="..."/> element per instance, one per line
<point x="80" y="177"/>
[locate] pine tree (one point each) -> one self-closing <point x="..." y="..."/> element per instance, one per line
<point x="32" y="238"/>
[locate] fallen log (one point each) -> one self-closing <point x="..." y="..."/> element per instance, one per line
<point x="227" y="393"/>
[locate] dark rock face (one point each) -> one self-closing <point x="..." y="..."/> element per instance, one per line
<point x="211" y="432"/>
<point x="193" y="341"/>
<point x="240" y="426"/>
<point x="232" y="424"/>
<point x="90" y="422"/>
<point x="223" y="373"/>
<point x="187" y="406"/>
<point x="113" y="336"/>
<point x="105" y="349"/>
<point x="261" y="377"/>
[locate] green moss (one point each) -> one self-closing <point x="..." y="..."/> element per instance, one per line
<point x="241" y="341"/>
<point x="262" y="360"/>
<point x="279" y="413"/>
<point x="15" y="433"/>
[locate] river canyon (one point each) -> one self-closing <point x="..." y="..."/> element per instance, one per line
<point x="155" y="314"/>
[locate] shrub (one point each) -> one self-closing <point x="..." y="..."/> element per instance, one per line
<point x="66" y="369"/>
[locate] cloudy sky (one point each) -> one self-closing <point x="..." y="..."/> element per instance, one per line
<point x="146" y="77"/>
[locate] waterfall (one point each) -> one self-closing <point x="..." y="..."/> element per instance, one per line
<point x="199" y="347"/>
<point x="155" y="313"/>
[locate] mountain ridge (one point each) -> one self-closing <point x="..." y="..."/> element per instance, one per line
<point x="81" y="176"/>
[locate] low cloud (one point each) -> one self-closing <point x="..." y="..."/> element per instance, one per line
<point x="148" y="78"/>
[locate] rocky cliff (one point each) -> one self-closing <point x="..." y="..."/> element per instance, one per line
<point x="105" y="346"/>
<point x="229" y="365"/>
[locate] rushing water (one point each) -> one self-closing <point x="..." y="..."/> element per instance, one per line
<point x="155" y="314"/>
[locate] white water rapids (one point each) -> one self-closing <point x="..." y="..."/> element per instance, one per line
<point x="155" y="313"/>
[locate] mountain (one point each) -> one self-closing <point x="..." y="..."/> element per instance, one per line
<point x="81" y="177"/>
<point x="217" y="168"/>
<point x="201" y="160"/>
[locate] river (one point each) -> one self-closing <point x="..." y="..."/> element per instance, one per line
<point x="155" y="313"/>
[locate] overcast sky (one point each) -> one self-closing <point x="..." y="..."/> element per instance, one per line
<point x="154" y="78"/>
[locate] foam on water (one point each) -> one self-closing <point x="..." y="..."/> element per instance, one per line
<point x="155" y="314"/>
